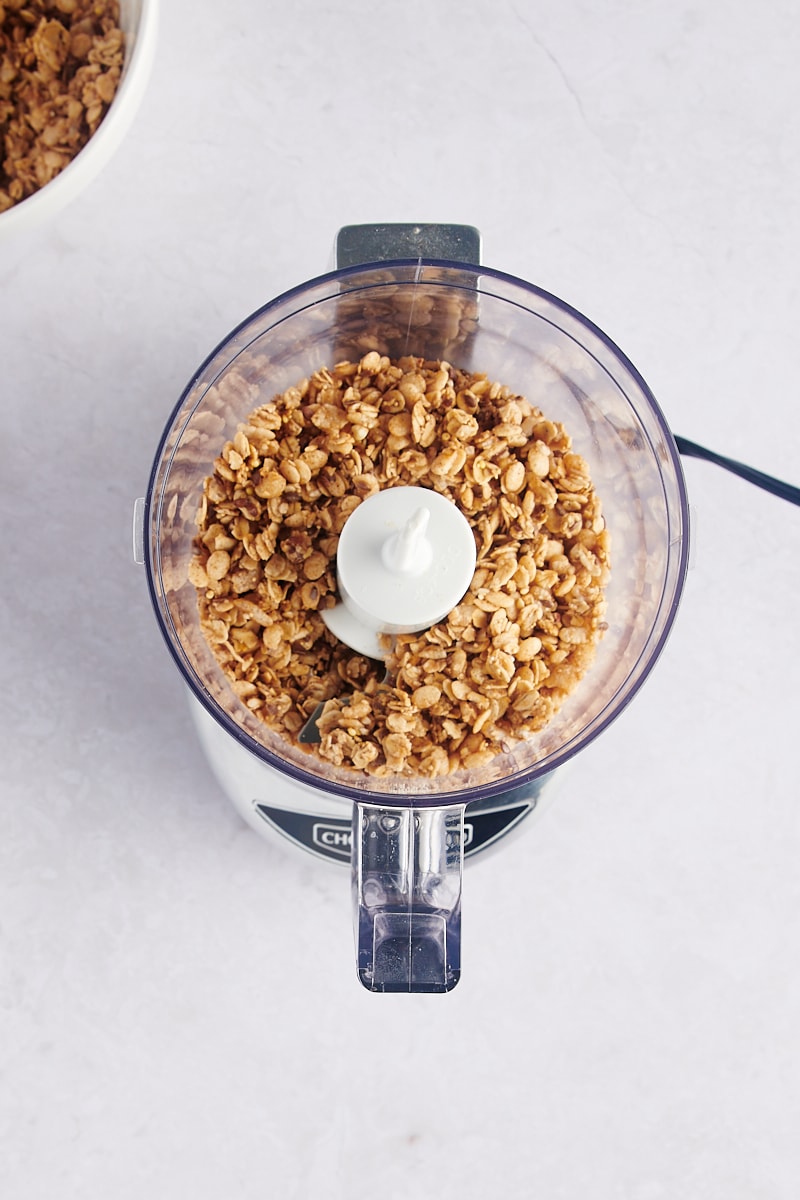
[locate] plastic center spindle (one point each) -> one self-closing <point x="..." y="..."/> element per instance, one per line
<point x="406" y="557"/>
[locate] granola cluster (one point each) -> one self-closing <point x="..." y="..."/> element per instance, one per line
<point x="500" y="664"/>
<point x="60" y="66"/>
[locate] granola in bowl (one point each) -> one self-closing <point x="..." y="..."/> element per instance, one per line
<point x="61" y="63"/>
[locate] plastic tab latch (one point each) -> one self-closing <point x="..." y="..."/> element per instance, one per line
<point x="359" y="244"/>
<point x="138" y="530"/>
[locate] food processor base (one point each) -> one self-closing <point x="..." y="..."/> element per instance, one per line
<point x="280" y="808"/>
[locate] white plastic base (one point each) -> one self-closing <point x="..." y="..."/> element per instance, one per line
<point x="290" y="813"/>
<point x="247" y="781"/>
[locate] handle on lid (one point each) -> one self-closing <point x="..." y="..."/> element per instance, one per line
<point x="407" y="866"/>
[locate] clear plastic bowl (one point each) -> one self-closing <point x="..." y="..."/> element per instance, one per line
<point x="478" y="319"/>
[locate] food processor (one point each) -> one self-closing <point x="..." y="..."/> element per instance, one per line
<point x="417" y="290"/>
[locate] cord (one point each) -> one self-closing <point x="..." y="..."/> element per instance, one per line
<point x="786" y="491"/>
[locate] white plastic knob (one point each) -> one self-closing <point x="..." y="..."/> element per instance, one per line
<point x="409" y="552"/>
<point x="406" y="557"/>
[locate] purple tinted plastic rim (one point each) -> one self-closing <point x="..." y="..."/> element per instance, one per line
<point x="493" y="787"/>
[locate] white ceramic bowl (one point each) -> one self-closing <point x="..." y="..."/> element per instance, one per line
<point x="138" y="19"/>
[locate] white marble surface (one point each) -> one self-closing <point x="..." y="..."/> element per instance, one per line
<point x="179" y="1014"/>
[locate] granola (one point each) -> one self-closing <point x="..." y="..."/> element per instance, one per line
<point x="500" y="664"/>
<point x="60" y="66"/>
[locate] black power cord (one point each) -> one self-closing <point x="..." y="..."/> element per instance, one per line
<point x="786" y="491"/>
